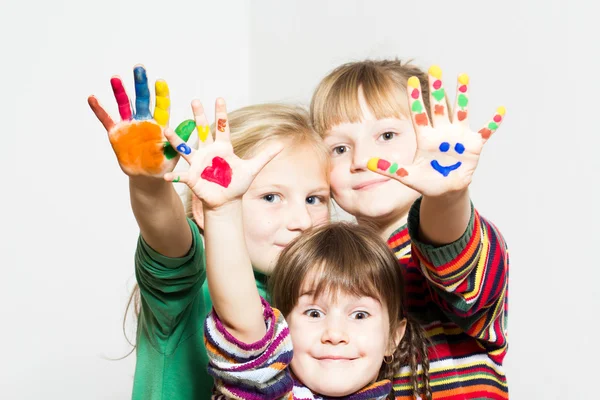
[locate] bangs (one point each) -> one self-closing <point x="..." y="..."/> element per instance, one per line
<point x="330" y="278"/>
<point x="339" y="102"/>
<point x="337" y="258"/>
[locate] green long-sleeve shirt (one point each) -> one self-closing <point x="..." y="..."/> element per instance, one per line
<point x="171" y="360"/>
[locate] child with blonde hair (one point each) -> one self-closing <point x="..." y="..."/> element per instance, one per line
<point x="287" y="197"/>
<point x="405" y="168"/>
<point x="339" y="327"/>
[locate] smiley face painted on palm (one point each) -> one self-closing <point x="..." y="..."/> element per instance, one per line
<point x="446" y="169"/>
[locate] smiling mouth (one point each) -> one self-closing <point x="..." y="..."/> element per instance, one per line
<point x="444" y="170"/>
<point x="370" y="184"/>
<point x="335" y="359"/>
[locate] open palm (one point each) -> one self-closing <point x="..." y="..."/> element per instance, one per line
<point x="216" y="175"/>
<point x="138" y="139"/>
<point x="447" y="149"/>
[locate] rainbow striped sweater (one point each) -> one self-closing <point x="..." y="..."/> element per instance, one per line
<point x="459" y="293"/>
<point x="260" y="370"/>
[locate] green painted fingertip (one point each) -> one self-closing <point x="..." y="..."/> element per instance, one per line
<point x="185" y="129"/>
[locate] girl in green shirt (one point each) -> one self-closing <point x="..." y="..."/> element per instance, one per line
<point x="289" y="195"/>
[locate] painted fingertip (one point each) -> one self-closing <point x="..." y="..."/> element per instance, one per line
<point x="435" y="71"/>
<point x="501" y="111"/>
<point x="372" y="164"/>
<point x="185" y="129"/>
<point x="139" y="74"/>
<point x="115" y="82"/>
<point x="463" y="79"/>
<point x="413" y="82"/>
<point x="161" y="87"/>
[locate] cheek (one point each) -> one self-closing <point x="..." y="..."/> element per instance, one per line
<point x="258" y="223"/>
<point x="319" y="215"/>
<point x="339" y="176"/>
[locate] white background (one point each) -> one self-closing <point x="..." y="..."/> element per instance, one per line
<point x="67" y="232"/>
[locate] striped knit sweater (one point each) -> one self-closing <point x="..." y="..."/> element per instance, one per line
<point x="459" y="293"/>
<point x="260" y="370"/>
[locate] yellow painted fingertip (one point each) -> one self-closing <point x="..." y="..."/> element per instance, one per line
<point x="203" y="132"/>
<point x="435" y="71"/>
<point x="161" y="88"/>
<point x="501" y="110"/>
<point x="413" y="82"/>
<point x="463" y="79"/>
<point x="372" y="164"/>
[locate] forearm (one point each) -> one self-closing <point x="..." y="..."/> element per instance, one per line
<point x="231" y="281"/>
<point x="160" y="215"/>
<point x="444" y="219"/>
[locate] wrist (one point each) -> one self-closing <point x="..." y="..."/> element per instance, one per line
<point x="224" y="210"/>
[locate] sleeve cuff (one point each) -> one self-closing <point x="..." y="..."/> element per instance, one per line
<point x="438" y="255"/>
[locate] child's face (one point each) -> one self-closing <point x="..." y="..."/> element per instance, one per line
<point x="338" y="345"/>
<point x="361" y="192"/>
<point x="290" y="195"/>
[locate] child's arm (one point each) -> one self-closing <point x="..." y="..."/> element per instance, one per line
<point x="462" y="255"/>
<point x="140" y="148"/>
<point x="219" y="178"/>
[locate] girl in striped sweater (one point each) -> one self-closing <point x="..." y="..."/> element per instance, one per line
<point x="417" y="197"/>
<point x="340" y="326"/>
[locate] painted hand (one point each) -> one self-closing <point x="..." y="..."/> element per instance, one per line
<point x="138" y="140"/>
<point x="447" y="149"/>
<point x="216" y="175"/>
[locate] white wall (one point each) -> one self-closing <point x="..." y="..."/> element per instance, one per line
<point x="67" y="229"/>
<point x="538" y="177"/>
<point x="68" y="234"/>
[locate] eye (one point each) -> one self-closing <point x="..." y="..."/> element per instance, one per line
<point x="459" y="148"/>
<point x="314" y="313"/>
<point x="272" y="198"/>
<point x="339" y="150"/>
<point x="314" y="200"/>
<point x="360" y="315"/>
<point x="386" y="136"/>
<point x="444" y="147"/>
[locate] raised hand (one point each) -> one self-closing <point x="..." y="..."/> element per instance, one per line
<point x="216" y="175"/>
<point x="138" y="139"/>
<point x="447" y="149"/>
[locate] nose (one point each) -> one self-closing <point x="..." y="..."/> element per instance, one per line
<point x="335" y="332"/>
<point x="299" y="218"/>
<point x="360" y="156"/>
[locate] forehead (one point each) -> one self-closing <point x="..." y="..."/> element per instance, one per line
<point x="367" y="115"/>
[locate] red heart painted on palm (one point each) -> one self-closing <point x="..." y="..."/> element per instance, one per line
<point x="219" y="172"/>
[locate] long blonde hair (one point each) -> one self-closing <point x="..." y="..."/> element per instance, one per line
<point x="251" y="128"/>
<point x="382" y="82"/>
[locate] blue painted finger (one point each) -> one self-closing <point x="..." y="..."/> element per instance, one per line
<point x="142" y="94"/>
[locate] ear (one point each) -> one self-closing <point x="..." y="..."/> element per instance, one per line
<point x="398" y="334"/>
<point x="197" y="212"/>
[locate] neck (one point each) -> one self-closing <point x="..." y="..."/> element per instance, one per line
<point x="386" y="225"/>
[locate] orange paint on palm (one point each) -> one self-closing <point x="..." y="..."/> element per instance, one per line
<point x="139" y="147"/>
